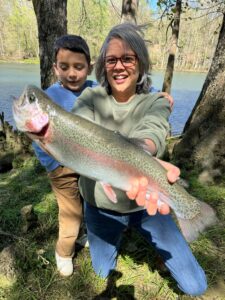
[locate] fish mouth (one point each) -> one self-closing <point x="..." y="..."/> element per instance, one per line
<point x="29" y="116"/>
<point x="41" y="133"/>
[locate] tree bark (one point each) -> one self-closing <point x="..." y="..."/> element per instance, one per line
<point x="129" y="11"/>
<point x="174" y="42"/>
<point x="203" y="143"/>
<point x="52" y="23"/>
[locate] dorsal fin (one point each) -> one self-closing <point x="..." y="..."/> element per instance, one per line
<point x="137" y="142"/>
<point x="141" y="144"/>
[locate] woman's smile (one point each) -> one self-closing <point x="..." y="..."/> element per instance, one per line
<point x="122" y="78"/>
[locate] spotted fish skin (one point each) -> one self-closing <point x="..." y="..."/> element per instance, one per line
<point x="104" y="155"/>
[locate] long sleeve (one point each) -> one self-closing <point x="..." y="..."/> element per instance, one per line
<point x="154" y="124"/>
<point x="45" y="160"/>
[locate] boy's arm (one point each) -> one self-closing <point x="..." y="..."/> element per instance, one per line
<point x="164" y="94"/>
<point x="46" y="161"/>
<point x="169" y="98"/>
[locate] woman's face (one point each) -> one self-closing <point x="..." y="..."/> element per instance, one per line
<point x="123" y="73"/>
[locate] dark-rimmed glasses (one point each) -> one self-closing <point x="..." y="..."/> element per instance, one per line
<point x="126" y="60"/>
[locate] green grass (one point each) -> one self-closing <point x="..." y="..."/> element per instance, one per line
<point x="137" y="275"/>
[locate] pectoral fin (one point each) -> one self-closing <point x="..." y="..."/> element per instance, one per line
<point x="109" y="192"/>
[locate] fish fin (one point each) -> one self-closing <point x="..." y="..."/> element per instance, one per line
<point x="42" y="146"/>
<point x="137" y="142"/>
<point x="140" y="144"/>
<point x="109" y="191"/>
<point x="183" y="182"/>
<point x="193" y="227"/>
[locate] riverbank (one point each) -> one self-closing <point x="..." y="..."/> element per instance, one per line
<point x="37" y="61"/>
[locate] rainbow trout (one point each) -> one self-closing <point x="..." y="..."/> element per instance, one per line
<point x="104" y="155"/>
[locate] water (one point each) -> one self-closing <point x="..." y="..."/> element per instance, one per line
<point x="185" y="90"/>
<point x="13" y="78"/>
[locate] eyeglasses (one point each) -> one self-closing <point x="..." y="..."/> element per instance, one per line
<point x="126" y="61"/>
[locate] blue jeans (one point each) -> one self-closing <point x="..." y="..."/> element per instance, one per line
<point x="105" y="229"/>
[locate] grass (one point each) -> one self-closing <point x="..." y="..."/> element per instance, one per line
<point x="137" y="275"/>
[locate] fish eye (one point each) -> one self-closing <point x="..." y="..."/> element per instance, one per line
<point x="32" y="98"/>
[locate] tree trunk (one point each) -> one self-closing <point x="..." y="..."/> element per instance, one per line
<point x="203" y="143"/>
<point x="174" y="42"/>
<point x="52" y="23"/>
<point x="129" y="11"/>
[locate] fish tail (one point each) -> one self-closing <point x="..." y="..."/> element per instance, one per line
<point x="191" y="228"/>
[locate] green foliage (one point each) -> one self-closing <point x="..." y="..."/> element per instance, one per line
<point x="20" y="33"/>
<point x="93" y="19"/>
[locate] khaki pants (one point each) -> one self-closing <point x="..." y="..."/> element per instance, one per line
<point x="64" y="184"/>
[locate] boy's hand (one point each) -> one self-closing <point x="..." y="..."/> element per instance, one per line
<point x="169" y="98"/>
<point x="150" y="200"/>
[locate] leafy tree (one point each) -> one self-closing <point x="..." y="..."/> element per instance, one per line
<point x="91" y="19"/>
<point x="18" y="29"/>
<point x="129" y="11"/>
<point x="94" y="18"/>
<point x="175" y="25"/>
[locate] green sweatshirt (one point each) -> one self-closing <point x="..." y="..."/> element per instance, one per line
<point x="145" y="116"/>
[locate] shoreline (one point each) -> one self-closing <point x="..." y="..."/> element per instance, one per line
<point x="36" y="61"/>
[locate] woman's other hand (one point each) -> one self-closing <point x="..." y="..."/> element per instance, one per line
<point x="143" y="197"/>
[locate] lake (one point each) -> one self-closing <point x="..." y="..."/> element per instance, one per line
<point x="185" y="90"/>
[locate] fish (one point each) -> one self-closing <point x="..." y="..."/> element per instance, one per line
<point x="105" y="156"/>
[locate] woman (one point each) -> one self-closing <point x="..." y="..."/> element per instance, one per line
<point x="123" y="103"/>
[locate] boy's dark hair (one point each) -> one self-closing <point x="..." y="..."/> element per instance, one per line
<point x="74" y="43"/>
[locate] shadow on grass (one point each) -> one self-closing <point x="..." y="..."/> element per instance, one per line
<point x="139" y="250"/>
<point x="209" y="251"/>
<point x="122" y="292"/>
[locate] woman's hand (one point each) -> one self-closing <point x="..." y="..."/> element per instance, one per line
<point x="139" y="191"/>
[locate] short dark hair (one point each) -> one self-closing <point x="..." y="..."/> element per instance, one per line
<point x="132" y="35"/>
<point x="74" y="43"/>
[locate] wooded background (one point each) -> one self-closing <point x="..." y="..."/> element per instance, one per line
<point x="92" y="19"/>
<point x="184" y="35"/>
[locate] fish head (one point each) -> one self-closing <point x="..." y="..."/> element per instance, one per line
<point x="30" y="112"/>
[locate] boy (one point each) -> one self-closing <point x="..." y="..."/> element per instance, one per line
<point x="72" y="66"/>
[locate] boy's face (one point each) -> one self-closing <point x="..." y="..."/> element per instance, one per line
<point x="72" y="69"/>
